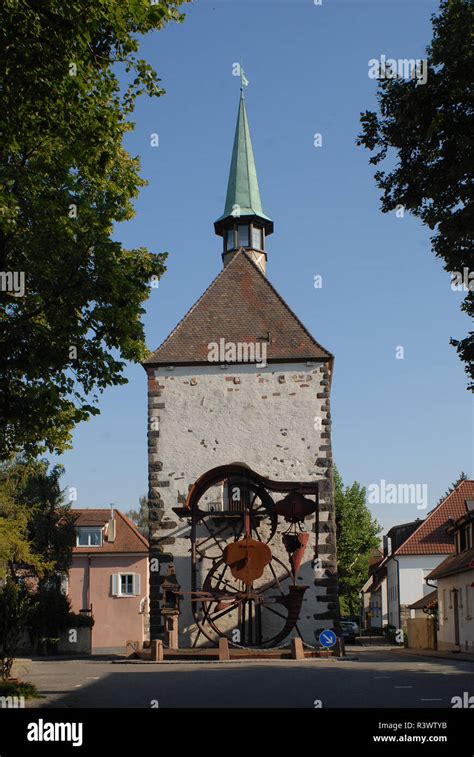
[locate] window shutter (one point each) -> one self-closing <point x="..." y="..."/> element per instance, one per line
<point x="115" y="584"/>
<point x="136" y="583"/>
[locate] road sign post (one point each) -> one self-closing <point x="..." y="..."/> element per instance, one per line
<point x="327" y="639"/>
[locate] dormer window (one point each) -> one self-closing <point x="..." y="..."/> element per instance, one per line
<point x="243" y="231"/>
<point x="257" y="237"/>
<point x="88" y="537"/>
<point x="229" y="240"/>
<point x="464" y="538"/>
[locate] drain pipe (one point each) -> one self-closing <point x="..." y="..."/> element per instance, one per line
<point x="398" y="592"/>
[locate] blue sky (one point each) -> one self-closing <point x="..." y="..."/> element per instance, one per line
<point x="404" y="421"/>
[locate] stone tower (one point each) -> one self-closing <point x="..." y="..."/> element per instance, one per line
<point x="240" y="379"/>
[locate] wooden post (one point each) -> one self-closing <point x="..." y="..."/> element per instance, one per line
<point x="297" y="651"/>
<point x="340" y="647"/>
<point x="157" y="650"/>
<point x="224" y="653"/>
<point x="173" y="635"/>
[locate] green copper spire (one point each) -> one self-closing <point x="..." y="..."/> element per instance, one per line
<point x="243" y="194"/>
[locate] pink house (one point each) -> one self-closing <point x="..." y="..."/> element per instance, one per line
<point x="109" y="578"/>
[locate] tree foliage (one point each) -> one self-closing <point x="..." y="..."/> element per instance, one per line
<point x="65" y="180"/>
<point x="462" y="477"/>
<point x="14" y="607"/>
<point x="357" y="535"/>
<point x="37" y="530"/>
<point x="140" y="516"/>
<point x="48" y="616"/>
<point x="37" y="533"/>
<point x="428" y="130"/>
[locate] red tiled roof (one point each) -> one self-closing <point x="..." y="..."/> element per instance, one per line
<point x="127" y="536"/>
<point x="430" y="538"/>
<point x="429" y="600"/>
<point x="240" y="306"/>
<point x="376" y="557"/>
<point x="454" y="564"/>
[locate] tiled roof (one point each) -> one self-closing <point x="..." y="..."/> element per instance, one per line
<point x="454" y="564"/>
<point x="127" y="536"/>
<point x="429" y="600"/>
<point x="240" y="306"/>
<point x="430" y="538"/>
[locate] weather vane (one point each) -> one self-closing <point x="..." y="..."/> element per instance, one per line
<point x="244" y="82"/>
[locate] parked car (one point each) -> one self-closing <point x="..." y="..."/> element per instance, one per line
<point x="348" y="631"/>
<point x="354" y="625"/>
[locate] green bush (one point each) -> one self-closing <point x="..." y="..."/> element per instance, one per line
<point x="19" y="689"/>
<point x="389" y="632"/>
<point x="79" y="620"/>
<point x="48" y="617"/>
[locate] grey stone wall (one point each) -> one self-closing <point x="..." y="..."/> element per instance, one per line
<point x="277" y="421"/>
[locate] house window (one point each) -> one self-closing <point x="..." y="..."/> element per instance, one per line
<point x="257" y="242"/>
<point x="468" y="606"/>
<point x="125" y="584"/>
<point x="243" y="236"/>
<point x="230" y="239"/>
<point x="89" y="537"/>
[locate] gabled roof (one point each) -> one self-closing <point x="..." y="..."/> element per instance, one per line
<point x="454" y="564"/>
<point x="240" y="305"/>
<point x="127" y="536"/>
<point x="430" y="538"/>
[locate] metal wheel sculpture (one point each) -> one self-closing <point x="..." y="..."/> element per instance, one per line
<point x="240" y="589"/>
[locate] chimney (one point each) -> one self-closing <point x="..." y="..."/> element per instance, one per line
<point x="111" y="526"/>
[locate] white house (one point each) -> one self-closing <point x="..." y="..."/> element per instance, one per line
<point x="455" y="577"/>
<point x="374" y="594"/>
<point x="410" y="561"/>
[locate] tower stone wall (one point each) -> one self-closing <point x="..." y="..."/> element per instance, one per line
<point x="274" y="419"/>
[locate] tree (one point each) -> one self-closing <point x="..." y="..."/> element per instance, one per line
<point x="37" y="530"/>
<point x="462" y="477"/>
<point x="14" y="606"/>
<point x="357" y="535"/>
<point x="428" y="130"/>
<point x="48" y="616"/>
<point x="37" y="533"/>
<point x="140" y="516"/>
<point x="15" y="517"/>
<point x="71" y="297"/>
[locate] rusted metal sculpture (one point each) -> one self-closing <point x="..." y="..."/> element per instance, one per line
<point x="240" y="589"/>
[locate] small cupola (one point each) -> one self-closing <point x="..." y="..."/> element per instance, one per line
<point x="243" y="224"/>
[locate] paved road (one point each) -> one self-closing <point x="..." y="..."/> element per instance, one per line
<point x="378" y="678"/>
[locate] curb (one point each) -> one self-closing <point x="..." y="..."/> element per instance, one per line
<point x="435" y="655"/>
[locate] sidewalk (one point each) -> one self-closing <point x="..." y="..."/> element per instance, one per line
<point x="440" y="654"/>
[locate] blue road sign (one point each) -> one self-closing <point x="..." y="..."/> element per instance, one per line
<point x="327" y="638"/>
